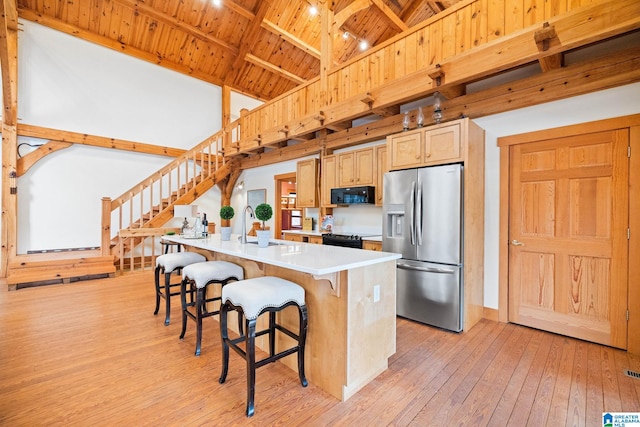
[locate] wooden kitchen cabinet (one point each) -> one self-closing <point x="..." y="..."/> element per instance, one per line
<point x="315" y="239"/>
<point x="356" y="168"/>
<point x="328" y="173"/>
<point x="381" y="168"/>
<point x="292" y="237"/>
<point x="371" y="245"/>
<point x="433" y="145"/>
<point x="442" y="145"/>
<point x="304" y="238"/>
<point x="405" y="149"/>
<point x="307" y="183"/>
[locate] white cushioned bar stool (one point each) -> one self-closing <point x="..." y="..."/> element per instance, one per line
<point x="198" y="277"/>
<point x="167" y="264"/>
<point x="251" y="298"/>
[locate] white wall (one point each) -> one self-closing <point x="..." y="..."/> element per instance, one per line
<point x="68" y="84"/>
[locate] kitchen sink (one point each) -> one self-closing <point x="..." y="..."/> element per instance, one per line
<point x="255" y="242"/>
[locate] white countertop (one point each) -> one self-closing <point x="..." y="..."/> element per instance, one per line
<point x="305" y="257"/>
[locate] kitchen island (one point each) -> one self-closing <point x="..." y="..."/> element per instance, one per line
<point x="351" y="302"/>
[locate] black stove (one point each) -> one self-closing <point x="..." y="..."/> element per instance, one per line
<point x="346" y="240"/>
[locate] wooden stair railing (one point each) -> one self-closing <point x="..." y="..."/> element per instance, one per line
<point x="149" y="204"/>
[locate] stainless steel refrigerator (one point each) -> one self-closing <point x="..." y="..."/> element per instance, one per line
<point x="422" y="220"/>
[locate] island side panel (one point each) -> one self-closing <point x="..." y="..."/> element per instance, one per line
<point x="371" y="338"/>
<point x="326" y="351"/>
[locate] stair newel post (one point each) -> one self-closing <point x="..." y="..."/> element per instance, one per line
<point x="105" y="245"/>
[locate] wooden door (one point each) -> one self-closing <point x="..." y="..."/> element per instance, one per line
<point x="568" y="236"/>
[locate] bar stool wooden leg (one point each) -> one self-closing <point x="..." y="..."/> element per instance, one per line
<point x="157" y="284"/>
<point x="251" y="365"/>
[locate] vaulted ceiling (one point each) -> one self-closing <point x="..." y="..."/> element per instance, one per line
<point x="262" y="48"/>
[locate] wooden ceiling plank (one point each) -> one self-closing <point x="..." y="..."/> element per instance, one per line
<point x="239" y="10"/>
<point x="56" y="24"/>
<point x="168" y="20"/>
<point x="341" y="17"/>
<point x="273" y="68"/>
<point x="290" y="38"/>
<point x="391" y="16"/>
<point x="249" y="37"/>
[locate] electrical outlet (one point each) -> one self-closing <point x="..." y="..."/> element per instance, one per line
<point x="376" y="293"/>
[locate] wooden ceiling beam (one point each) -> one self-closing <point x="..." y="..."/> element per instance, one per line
<point x="25" y="163"/>
<point x="239" y="9"/>
<point x="290" y="38"/>
<point x="273" y="68"/>
<point x="249" y="38"/>
<point x="341" y="17"/>
<point x="96" y="141"/>
<point x="391" y="16"/>
<point x="173" y="22"/>
<point x="436" y="6"/>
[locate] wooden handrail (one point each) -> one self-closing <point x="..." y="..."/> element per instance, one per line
<point x="155" y="195"/>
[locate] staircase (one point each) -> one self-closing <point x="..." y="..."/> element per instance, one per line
<point x="138" y="215"/>
<point x="132" y="222"/>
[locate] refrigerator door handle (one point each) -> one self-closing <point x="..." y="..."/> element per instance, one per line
<point x="412" y="219"/>
<point x="427" y="269"/>
<point x="419" y="215"/>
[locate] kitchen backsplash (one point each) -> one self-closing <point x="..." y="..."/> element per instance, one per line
<point x="353" y="219"/>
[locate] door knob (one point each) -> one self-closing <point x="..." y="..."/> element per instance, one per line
<point x="515" y="242"/>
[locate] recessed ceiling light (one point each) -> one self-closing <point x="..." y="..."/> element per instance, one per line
<point x="363" y="45"/>
<point x="345" y="35"/>
<point x="217" y="3"/>
<point x="313" y="10"/>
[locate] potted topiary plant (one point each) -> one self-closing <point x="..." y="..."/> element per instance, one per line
<point x="226" y="213"/>
<point x="263" y="213"/>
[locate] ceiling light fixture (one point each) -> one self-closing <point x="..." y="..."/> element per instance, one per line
<point x="217" y="3"/>
<point x="313" y="10"/>
<point x="362" y="44"/>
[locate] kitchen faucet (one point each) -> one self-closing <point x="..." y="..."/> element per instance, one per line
<point x="243" y="235"/>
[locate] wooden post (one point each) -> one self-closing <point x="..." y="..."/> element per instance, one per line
<point x="9" y="63"/>
<point x="106" y="227"/>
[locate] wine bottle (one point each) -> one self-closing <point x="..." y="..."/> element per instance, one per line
<point x="205" y="226"/>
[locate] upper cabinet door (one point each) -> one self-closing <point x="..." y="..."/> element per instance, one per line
<point x="328" y="172"/>
<point x="307" y="183"/>
<point x="442" y="145"/>
<point x="405" y="149"/>
<point x="346" y="169"/>
<point x="364" y="167"/>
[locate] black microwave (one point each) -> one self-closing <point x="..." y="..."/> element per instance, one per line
<point x="353" y="195"/>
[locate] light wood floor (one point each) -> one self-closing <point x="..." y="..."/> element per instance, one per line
<point x="92" y="353"/>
